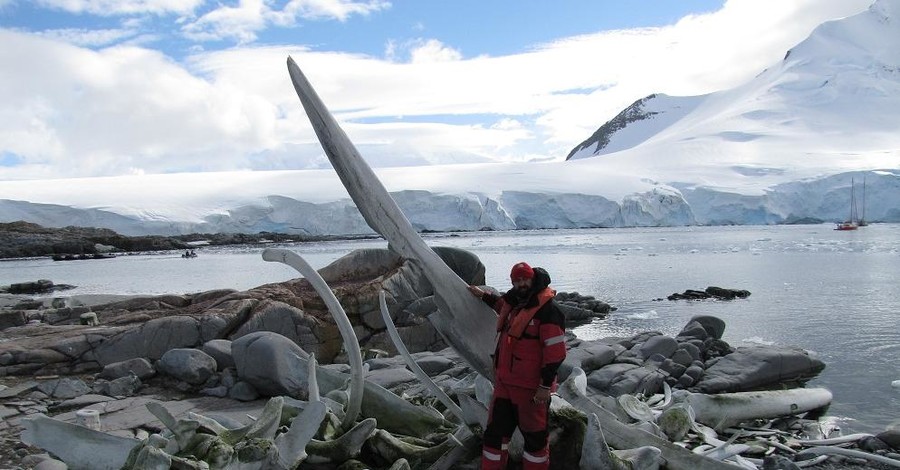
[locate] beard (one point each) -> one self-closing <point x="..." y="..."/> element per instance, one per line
<point x="520" y="294"/>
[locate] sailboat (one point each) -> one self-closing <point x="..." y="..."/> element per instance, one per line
<point x="853" y="222"/>
<point x="862" y="219"/>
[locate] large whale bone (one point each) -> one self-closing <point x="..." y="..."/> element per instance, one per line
<point x="351" y="343"/>
<point x="728" y="409"/>
<point x="622" y="436"/>
<point x="79" y="447"/>
<point x="464" y="322"/>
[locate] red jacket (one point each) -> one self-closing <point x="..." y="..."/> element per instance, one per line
<point x="532" y="340"/>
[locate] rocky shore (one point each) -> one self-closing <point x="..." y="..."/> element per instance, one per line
<point x="178" y="378"/>
<point x="23" y="239"/>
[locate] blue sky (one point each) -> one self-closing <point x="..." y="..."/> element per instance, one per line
<point x="108" y="87"/>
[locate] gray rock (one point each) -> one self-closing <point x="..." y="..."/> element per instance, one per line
<point x="714" y="326"/>
<point x="83" y="401"/>
<point x="151" y="340"/>
<point x="600" y="355"/>
<point x="64" y="388"/>
<point x="646" y="380"/>
<point x="673" y="368"/>
<point x="602" y="378"/>
<point x="137" y="366"/>
<point x="682" y="357"/>
<point x="685" y="381"/>
<point x="694" y="372"/>
<point x="754" y="367"/>
<point x="220" y="350"/>
<point x="11" y="319"/>
<point x="693" y="330"/>
<point x="664" y="345"/>
<point x="891" y="437"/>
<point x="126" y="386"/>
<point x="285" y="371"/>
<point x="189" y="365"/>
<point x="873" y="445"/>
<point x="243" y="391"/>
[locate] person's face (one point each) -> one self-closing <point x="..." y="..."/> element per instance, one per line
<point x="522" y="284"/>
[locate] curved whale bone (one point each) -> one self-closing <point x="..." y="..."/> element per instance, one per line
<point x="351" y="343"/>
<point x="412" y="364"/>
<point x="343" y="448"/>
<point x="661" y="402"/>
<point x="622" y="436"/>
<point x="827" y="450"/>
<point x="728" y="409"/>
<point x="464" y="322"/>
<point x="392" y="448"/>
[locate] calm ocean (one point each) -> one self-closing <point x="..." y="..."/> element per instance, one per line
<point x="834" y="293"/>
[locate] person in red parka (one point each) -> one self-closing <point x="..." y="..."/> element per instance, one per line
<point x="531" y="345"/>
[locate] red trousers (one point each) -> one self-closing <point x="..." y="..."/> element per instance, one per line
<point x="513" y="407"/>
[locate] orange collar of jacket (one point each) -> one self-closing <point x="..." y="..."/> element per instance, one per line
<point x="523" y="318"/>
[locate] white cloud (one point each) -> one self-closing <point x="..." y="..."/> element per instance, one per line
<point x="69" y="110"/>
<point x="432" y="50"/>
<point x="88" y="37"/>
<point x="123" y="7"/>
<point x="243" y="22"/>
<point x="239" y="23"/>
<point x="332" y="9"/>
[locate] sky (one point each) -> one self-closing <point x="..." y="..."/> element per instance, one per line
<point x="129" y="87"/>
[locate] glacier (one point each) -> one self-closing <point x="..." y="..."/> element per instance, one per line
<point x="780" y="148"/>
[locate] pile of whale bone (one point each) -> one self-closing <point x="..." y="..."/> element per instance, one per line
<point x="325" y="431"/>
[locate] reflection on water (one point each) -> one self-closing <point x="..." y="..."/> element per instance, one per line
<point x="835" y="293"/>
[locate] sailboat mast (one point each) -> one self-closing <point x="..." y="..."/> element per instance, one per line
<point x="862" y="219"/>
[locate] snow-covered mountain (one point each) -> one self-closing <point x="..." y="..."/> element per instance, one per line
<point x="782" y="147"/>
<point x="831" y="105"/>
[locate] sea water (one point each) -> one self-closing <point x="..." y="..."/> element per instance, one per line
<point x="834" y="293"/>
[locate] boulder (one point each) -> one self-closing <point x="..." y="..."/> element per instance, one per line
<point x="755" y="367"/>
<point x="285" y="372"/>
<point x="64" y="388"/>
<point x="12" y="319"/>
<point x="139" y="366"/>
<point x="220" y="350"/>
<point x="714" y="326"/>
<point x="188" y="365"/>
